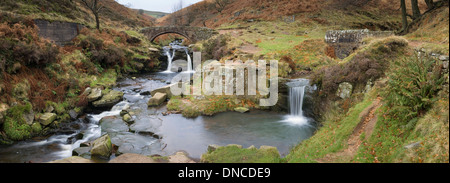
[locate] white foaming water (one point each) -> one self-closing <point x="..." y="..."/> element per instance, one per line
<point x="169" y="61"/>
<point x="92" y="132"/>
<point x="189" y="67"/>
<point x="296" y="95"/>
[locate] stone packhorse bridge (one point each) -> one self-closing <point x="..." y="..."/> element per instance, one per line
<point x="344" y="42"/>
<point x="193" y="34"/>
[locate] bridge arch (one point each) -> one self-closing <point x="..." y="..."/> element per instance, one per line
<point x="193" y="34"/>
<point x="170" y="32"/>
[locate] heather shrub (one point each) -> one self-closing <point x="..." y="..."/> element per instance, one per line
<point x="215" y="48"/>
<point x="370" y="63"/>
<point x="108" y="58"/>
<point x="20" y="43"/>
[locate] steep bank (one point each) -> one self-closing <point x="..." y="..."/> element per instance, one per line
<point x="40" y="79"/>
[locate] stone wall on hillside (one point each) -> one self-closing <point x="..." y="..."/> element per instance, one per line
<point x="344" y="42"/>
<point x="61" y="33"/>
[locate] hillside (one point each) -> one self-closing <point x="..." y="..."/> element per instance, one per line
<point x="376" y="15"/>
<point x="112" y="15"/>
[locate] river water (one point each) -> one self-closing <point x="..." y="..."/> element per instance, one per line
<point x="173" y="132"/>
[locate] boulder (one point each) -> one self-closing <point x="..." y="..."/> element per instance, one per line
<point x="212" y="147"/>
<point x="345" y="90"/>
<point x="157" y="99"/>
<point x="73" y="114"/>
<point x="165" y="89"/>
<point x="94" y="95"/>
<point x="102" y="147"/>
<point x="87" y="91"/>
<point x="128" y="119"/>
<point x="109" y="100"/>
<point x="180" y="157"/>
<point x="132" y="158"/>
<point x="28" y="117"/>
<point x="36" y="128"/>
<point x="73" y="159"/>
<point x="47" y="118"/>
<point x="241" y="109"/>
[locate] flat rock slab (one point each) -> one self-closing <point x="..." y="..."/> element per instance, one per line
<point x="132" y="158"/>
<point x="73" y="159"/>
<point x="157" y="99"/>
<point x="110" y="99"/>
<point x="47" y="118"/>
<point x="180" y="157"/>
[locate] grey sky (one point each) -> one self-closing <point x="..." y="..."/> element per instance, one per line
<point x="156" y="5"/>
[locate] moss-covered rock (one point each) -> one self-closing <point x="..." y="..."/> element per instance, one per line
<point x="94" y="94"/>
<point x="47" y="118"/>
<point x="109" y="100"/>
<point x="102" y="147"/>
<point x="36" y="128"/>
<point x="241" y="109"/>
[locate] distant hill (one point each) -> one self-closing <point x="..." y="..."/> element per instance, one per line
<point x="155" y="14"/>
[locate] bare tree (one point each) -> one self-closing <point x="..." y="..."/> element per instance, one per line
<point x="141" y="11"/>
<point x="220" y="5"/>
<point x="430" y="4"/>
<point x="404" y="15"/>
<point x="95" y="6"/>
<point x="415" y="9"/>
<point x="177" y="15"/>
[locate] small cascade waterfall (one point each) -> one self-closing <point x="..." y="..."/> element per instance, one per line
<point x="296" y="96"/>
<point x="169" y="59"/>
<point x="174" y="47"/>
<point x="296" y="100"/>
<point x="189" y="67"/>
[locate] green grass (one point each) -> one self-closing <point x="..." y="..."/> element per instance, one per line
<point x="234" y="154"/>
<point x="330" y="138"/>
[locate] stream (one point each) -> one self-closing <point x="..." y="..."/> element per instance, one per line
<point x="175" y="132"/>
<point x="153" y="133"/>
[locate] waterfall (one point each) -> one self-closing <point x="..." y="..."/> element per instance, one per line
<point x="189" y="66"/>
<point x="169" y="60"/>
<point x="296" y="100"/>
<point x="296" y="95"/>
<point x="176" y="46"/>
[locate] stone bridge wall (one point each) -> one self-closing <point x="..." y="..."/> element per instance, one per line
<point x="192" y="33"/>
<point x="344" y="42"/>
<point x="59" y="32"/>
